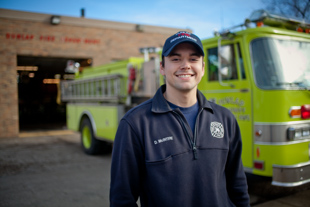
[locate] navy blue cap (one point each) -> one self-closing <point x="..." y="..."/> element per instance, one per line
<point x="181" y="37"/>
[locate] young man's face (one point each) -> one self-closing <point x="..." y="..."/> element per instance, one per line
<point x="183" y="68"/>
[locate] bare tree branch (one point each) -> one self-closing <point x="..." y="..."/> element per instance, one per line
<point x="294" y="8"/>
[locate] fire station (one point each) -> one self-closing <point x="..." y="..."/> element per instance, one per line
<point x="38" y="50"/>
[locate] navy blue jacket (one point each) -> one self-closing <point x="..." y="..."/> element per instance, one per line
<point x="158" y="159"/>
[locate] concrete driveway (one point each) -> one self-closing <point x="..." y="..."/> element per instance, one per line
<point x="51" y="170"/>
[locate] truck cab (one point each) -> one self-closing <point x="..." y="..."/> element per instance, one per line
<point x="264" y="79"/>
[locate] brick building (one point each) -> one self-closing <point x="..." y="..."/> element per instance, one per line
<point x="36" y="47"/>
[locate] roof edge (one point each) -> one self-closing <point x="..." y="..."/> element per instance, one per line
<point x="85" y="22"/>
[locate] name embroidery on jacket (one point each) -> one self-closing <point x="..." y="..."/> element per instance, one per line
<point x="217" y="130"/>
<point x="163" y="140"/>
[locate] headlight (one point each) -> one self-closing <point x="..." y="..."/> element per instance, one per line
<point x="296" y="133"/>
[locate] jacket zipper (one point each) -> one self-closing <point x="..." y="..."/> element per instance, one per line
<point x="195" y="135"/>
<point x="191" y="141"/>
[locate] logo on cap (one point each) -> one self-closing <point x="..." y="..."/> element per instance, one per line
<point x="183" y="35"/>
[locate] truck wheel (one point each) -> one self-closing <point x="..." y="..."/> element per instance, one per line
<point x="89" y="143"/>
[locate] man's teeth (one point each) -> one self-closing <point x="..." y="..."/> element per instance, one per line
<point x="184" y="76"/>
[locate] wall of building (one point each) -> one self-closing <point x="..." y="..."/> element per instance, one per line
<point x="32" y="34"/>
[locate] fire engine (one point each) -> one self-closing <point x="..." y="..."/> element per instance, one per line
<point x="259" y="70"/>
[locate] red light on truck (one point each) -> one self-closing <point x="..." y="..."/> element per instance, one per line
<point x="259" y="165"/>
<point x="295" y="112"/>
<point x="299" y="29"/>
<point x="258" y="133"/>
<point x="259" y="24"/>
<point x="257" y="152"/>
<point x="305" y="111"/>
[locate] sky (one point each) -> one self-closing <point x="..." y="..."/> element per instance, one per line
<point x="203" y="17"/>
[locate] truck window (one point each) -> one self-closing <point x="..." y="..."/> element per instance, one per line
<point x="228" y="63"/>
<point x="281" y="64"/>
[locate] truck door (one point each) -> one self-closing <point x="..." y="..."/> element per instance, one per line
<point x="230" y="88"/>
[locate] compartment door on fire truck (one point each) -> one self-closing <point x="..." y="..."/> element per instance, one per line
<point x="230" y="87"/>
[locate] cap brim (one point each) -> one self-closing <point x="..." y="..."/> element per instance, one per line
<point x="166" y="53"/>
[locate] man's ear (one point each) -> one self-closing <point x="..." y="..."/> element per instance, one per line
<point x="203" y="67"/>
<point x="162" y="69"/>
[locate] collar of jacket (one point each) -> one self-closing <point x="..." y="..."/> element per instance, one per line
<point x="160" y="105"/>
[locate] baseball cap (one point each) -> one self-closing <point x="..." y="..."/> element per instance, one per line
<point x="181" y="37"/>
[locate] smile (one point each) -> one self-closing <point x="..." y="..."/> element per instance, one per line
<point x="184" y="76"/>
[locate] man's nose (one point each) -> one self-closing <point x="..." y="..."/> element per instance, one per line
<point x="185" y="65"/>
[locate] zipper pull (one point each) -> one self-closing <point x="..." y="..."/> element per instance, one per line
<point x="195" y="153"/>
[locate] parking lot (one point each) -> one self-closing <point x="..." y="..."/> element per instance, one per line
<point x="50" y="169"/>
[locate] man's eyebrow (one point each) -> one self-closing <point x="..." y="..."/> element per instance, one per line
<point x="195" y="54"/>
<point x="174" y="54"/>
<point x="192" y="54"/>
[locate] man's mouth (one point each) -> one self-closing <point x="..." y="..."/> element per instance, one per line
<point x="184" y="76"/>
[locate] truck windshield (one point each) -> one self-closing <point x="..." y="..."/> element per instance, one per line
<point x="281" y="64"/>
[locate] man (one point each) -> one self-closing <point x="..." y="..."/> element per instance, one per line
<point x="178" y="149"/>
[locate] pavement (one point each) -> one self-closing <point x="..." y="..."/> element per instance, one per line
<point x="48" y="168"/>
<point x="300" y="199"/>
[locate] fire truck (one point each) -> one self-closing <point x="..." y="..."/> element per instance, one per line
<point x="259" y="70"/>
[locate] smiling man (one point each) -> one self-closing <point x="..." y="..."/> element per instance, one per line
<point x="178" y="149"/>
<point x="183" y="69"/>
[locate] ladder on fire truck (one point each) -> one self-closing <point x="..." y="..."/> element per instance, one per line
<point x="107" y="88"/>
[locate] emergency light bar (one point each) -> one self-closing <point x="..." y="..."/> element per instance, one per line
<point x="266" y="18"/>
<point x="275" y="20"/>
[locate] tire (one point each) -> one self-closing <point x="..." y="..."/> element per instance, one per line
<point x="90" y="144"/>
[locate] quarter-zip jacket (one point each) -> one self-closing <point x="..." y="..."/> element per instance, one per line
<point x="158" y="159"/>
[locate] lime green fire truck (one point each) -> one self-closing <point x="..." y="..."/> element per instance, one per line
<point x="260" y="70"/>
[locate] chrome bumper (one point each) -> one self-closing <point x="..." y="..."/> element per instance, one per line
<point x="291" y="175"/>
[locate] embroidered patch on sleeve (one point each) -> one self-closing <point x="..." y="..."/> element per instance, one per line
<point x="217" y="130"/>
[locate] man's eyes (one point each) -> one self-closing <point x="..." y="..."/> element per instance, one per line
<point x="175" y="58"/>
<point x="191" y="59"/>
